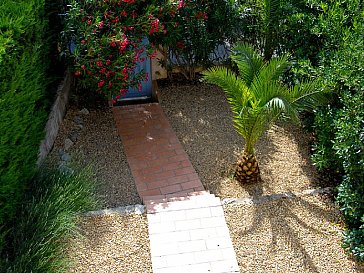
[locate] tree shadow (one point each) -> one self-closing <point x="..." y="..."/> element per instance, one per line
<point x="288" y="228"/>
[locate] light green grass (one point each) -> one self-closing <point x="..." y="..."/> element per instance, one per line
<point x="49" y="218"/>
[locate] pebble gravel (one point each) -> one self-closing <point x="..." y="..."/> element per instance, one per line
<point x="111" y="244"/>
<point x="289" y="235"/>
<point x="202" y="120"/>
<point x="95" y="141"/>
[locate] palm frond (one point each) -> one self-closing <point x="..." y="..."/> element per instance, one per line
<point x="237" y="92"/>
<point x="307" y="96"/>
<point x="248" y="61"/>
<point x="275" y="68"/>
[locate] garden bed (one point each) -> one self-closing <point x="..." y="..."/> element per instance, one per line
<point x="96" y="142"/>
<point x="202" y="120"/>
<point x="298" y="235"/>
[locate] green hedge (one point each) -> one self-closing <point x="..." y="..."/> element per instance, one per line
<point x="340" y="126"/>
<point x="23" y="66"/>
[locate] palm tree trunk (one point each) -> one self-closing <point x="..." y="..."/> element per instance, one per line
<point x="247" y="169"/>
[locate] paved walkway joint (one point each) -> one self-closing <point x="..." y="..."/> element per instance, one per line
<point x="187" y="227"/>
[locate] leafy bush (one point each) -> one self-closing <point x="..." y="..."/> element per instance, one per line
<point x="105" y="39"/>
<point x="23" y="65"/>
<point x="349" y="147"/>
<point x="340" y="126"/>
<point x="193" y="31"/>
<point x="48" y="219"/>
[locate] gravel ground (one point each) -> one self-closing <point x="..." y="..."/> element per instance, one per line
<point x="202" y="120"/>
<point x="113" y="243"/>
<point x="98" y="144"/>
<point x="298" y="235"/>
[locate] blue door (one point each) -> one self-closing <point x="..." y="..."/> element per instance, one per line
<point x="146" y="92"/>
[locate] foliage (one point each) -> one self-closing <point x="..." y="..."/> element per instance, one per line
<point x="349" y="147"/>
<point x="335" y="54"/>
<point x="106" y="37"/>
<point x="23" y="65"/>
<point x="257" y="96"/>
<point x="193" y="31"/>
<point x="48" y="219"/>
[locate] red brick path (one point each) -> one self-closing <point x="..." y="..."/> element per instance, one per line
<point x="160" y="166"/>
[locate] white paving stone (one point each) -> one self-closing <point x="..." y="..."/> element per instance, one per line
<point x="191" y="236"/>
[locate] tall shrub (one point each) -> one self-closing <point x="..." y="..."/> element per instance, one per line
<point x="103" y="40"/>
<point x="23" y="65"/>
<point x="194" y="30"/>
<point x="340" y="126"/>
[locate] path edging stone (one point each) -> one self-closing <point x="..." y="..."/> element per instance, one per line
<point x="132" y="209"/>
<point x="273" y="197"/>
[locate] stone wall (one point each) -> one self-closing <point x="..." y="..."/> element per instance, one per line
<point x="55" y="117"/>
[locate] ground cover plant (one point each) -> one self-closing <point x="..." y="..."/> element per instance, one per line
<point x="258" y="98"/>
<point x="48" y="219"/>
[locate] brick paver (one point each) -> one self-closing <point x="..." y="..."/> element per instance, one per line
<point x="158" y="162"/>
<point x="187" y="228"/>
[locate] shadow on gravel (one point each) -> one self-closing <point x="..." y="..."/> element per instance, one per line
<point x="298" y="235"/>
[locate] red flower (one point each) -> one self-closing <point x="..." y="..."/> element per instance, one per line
<point x="102" y="70"/>
<point x="101" y="24"/>
<point x="123" y="44"/>
<point x="154" y="27"/>
<point x="181" y="4"/>
<point x="116" y="20"/>
<point x="124" y="13"/>
<point x="99" y="63"/>
<point x="83" y="67"/>
<point x="101" y="83"/>
<point x="180" y="44"/>
<point x="154" y="54"/>
<point x="201" y="15"/>
<point x="83" y="42"/>
<point x="107" y="62"/>
<point x="113" y="44"/>
<point x="109" y="85"/>
<point x="77" y="73"/>
<point x="113" y="101"/>
<point x="89" y="22"/>
<point x="123" y="92"/>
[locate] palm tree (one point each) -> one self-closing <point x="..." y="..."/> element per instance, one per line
<point x="258" y="98"/>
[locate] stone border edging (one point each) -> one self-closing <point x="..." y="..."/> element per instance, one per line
<point x="132" y="209"/>
<point x="273" y="197"/>
<point x="55" y="118"/>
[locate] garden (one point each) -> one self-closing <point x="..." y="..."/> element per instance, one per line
<point x="266" y="98"/>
